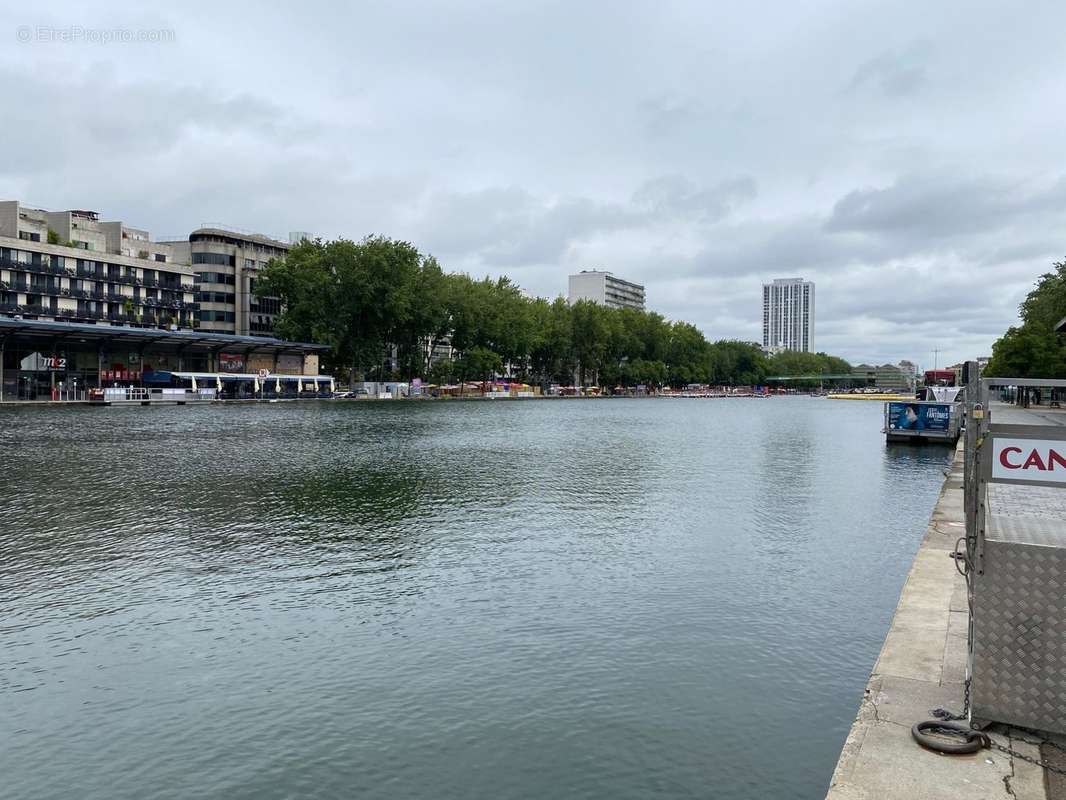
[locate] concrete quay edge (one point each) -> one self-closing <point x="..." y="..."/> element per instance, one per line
<point x="922" y="665"/>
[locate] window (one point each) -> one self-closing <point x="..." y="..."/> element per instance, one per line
<point x="214" y="277"/>
<point x="249" y="263"/>
<point x="217" y="316"/>
<point x="160" y="257"/>
<point x="29" y="237"/>
<point x="217" y="297"/>
<point x="213" y="258"/>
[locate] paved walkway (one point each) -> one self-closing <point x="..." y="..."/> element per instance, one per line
<point x="922" y="666"/>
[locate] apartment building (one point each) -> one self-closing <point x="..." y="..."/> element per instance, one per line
<point x="788" y="315"/>
<point x="226" y="262"/>
<point x="605" y="289"/>
<point x="71" y="266"/>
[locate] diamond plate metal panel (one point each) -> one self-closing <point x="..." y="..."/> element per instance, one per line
<point x="1019" y="630"/>
<point x="1026" y="530"/>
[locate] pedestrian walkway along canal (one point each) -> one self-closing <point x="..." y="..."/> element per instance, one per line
<point x="616" y="599"/>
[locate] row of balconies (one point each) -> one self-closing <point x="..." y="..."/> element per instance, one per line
<point x="82" y="294"/>
<point x="46" y="269"/>
<point x="83" y="314"/>
<point x="81" y="272"/>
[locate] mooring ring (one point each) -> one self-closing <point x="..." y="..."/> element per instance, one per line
<point x="973" y="740"/>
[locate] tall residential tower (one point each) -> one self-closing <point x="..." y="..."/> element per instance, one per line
<point x="788" y="315"/>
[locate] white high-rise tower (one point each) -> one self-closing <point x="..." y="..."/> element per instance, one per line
<point x="788" y="315"/>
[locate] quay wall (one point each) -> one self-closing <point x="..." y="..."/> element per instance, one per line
<point x="922" y="666"/>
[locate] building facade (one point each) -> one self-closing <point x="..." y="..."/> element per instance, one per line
<point x="605" y="289"/>
<point x="226" y="263"/>
<point x="788" y="315"/>
<point x="889" y="377"/>
<point x="70" y="266"/>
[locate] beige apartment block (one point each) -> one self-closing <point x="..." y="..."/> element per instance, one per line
<point x="70" y="266"/>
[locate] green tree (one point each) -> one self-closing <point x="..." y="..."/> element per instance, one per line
<point x="443" y="372"/>
<point x="360" y="298"/>
<point x="591" y="337"/>
<point x="736" y="363"/>
<point x="1033" y="349"/>
<point x="1027" y="352"/>
<point x="479" y="363"/>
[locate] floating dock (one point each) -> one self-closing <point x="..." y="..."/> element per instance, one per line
<point x="136" y="396"/>
<point x="869" y="396"/>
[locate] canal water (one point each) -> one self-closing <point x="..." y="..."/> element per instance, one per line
<point x="582" y="599"/>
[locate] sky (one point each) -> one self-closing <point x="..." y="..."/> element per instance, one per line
<point x="907" y="157"/>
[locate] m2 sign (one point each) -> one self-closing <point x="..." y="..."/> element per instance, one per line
<point x="1037" y="460"/>
<point x="919" y="416"/>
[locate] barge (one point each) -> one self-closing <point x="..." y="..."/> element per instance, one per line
<point x="934" y="415"/>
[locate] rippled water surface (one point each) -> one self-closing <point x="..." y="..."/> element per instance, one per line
<point x="591" y="599"/>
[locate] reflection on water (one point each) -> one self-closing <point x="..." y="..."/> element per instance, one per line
<point x="573" y="598"/>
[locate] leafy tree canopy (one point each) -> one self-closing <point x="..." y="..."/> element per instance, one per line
<point x="1033" y="349"/>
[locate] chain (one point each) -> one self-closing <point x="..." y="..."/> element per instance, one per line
<point x="1036" y="761"/>
<point x="948" y="716"/>
<point x="987" y="741"/>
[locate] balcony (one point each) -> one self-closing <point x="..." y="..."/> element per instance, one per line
<point x="21" y="266"/>
<point x="40" y="288"/>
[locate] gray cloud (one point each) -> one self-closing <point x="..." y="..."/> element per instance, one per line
<point x="893" y="74"/>
<point x="937" y="207"/>
<point x="912" y="170"/>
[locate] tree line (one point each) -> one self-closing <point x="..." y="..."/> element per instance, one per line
<point x="1033" y="349"/>
<point x="380" y="296"/>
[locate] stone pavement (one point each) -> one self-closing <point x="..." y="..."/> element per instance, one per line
<point x="922" y="666"/>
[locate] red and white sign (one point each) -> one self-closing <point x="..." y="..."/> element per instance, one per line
<point x="230" y="362"/>
<point x="1041" y="460"/>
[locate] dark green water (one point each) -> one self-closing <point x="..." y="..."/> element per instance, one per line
<point x="592" y="599"/>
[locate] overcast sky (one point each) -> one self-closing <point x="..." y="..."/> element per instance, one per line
<point x="907" y="157"/>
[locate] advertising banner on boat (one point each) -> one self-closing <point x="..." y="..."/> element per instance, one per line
<point x="919" y="416"/>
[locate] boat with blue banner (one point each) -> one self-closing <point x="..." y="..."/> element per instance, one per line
<point x="934" y="415"/>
